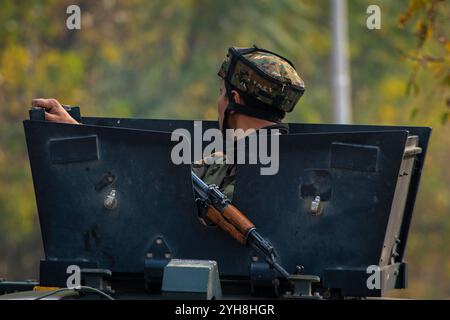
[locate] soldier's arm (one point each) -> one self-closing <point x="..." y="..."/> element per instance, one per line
<point x="54" y="111"/>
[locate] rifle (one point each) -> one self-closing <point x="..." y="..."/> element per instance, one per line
<point x="221" y="212"/>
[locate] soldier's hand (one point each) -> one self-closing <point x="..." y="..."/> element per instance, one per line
<point x="54" y="111"/>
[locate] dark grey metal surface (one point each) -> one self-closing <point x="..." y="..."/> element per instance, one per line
<point x="423" y="134"/>
<point x="351" y="227"/>
<point x="155" y="197"/>
<point x="76" y="226"/>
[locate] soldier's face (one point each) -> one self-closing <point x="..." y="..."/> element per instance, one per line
<point x="222" y="102"/>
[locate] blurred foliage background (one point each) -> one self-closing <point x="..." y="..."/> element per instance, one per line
<point x="159" y="59"/>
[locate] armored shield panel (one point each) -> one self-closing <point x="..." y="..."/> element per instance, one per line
<point x="338" y="205"/>
<point x="76" y="168"/>
<point x="109" y="196"/>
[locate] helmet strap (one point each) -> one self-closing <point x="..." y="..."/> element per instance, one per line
<point x="227" y="109"/>
<point x="252" y="108"/>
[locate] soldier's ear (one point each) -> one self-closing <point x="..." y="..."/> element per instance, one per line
<point x="237" y="97"/>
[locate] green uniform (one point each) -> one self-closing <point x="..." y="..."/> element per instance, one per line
<point x="222" y="175"/>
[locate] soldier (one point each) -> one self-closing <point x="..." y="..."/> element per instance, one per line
<point x="258" y="87"/>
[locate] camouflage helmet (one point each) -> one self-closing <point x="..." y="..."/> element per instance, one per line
<point x="263" y="75"/>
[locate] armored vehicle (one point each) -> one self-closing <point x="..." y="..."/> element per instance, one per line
<point x="114" y="209"/>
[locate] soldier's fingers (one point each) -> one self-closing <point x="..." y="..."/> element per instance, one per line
<point x="36" y="102"/>
<point x="47" y="104"/>
<point x="50" y="117"/>
<point x="42" y="103"/>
